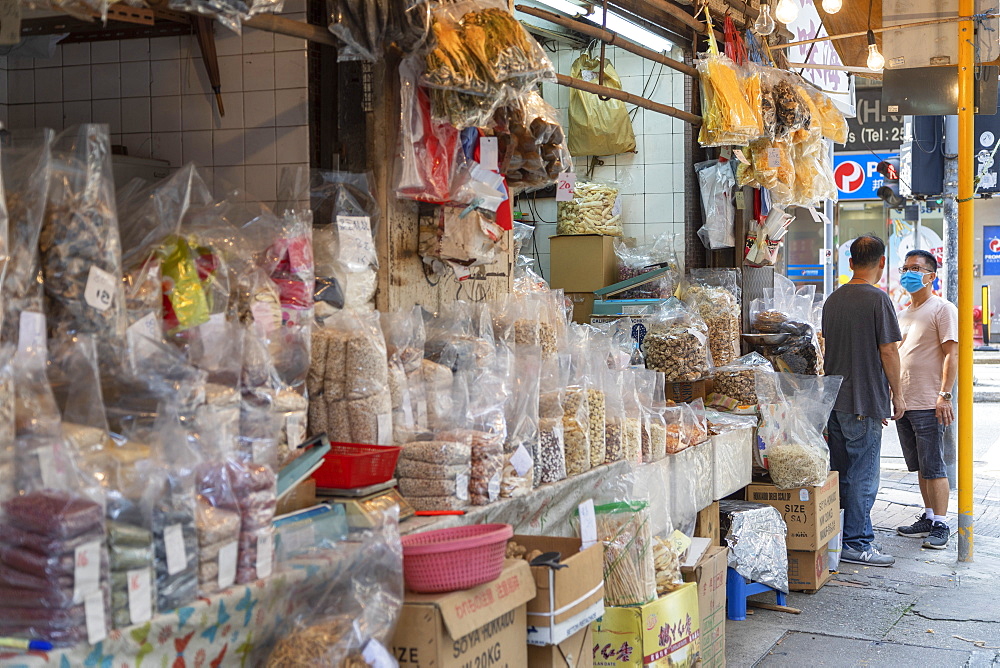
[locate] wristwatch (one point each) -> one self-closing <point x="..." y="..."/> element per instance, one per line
<point x="945" y="395"/>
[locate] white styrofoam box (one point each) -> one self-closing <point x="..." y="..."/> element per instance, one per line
<point x="692" y="484"/>
<point x="139" y="144"/>
<point x="732" y="461"/>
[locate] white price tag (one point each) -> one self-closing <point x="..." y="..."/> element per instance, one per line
<point x="588" y="524"/>
<point x="86" y="570"/>
<point x="101" y="288"/>
<point x="377" y="655"/>
<point x="741" y="200"/>
<point x="616" y="208"/>
<point x="140" y="596"/>
<point x="265" y="555"/>
<point x="227" y="564"/>
<point x="493" y="487"/>
<point x="489" y="153"/>
<point x="173" y="544"/>
<point x="773" y="157"/>
<point x="45" y="466"/>
<point x="803" y="495"/>
<point x="93" y="609"/>
<point x="521" y="460"/>
<point x="295" y="428"/>
<point x="355" y="244"/>
<point x="740" y="156"/>
<point x="142" y="337"/>
<point x="462" y="487"/>
<point x="31" y="329"/>
<point x="384" y="429"/>
<point x="565" y="186"/>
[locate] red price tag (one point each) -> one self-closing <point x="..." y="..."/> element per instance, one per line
<point x="565" y="186"/>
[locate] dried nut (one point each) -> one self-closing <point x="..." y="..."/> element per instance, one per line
<point x="678" y="350"/>
<point x="550" y="458"/>
<point x="721" y="312"/>
<point x="614" y="440"/>
<point x="595" y="405"/>
<point x="576" y="431"/>
<point x="740" y="386"/>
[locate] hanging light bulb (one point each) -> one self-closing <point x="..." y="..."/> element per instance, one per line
<point x="786" y="11"/>
<point x="764" y="25"/>
<point x="875" y="59"/>
<point x="832" y="6"/>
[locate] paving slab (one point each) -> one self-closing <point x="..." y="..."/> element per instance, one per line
<point x="831" y="650"/>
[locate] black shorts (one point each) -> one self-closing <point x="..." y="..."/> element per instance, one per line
<point x="922" y="439"/>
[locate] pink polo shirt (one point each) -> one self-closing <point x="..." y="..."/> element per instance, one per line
<point x="921" y="357"/>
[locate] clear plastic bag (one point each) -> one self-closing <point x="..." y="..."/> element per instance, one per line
<point x="531" y="143"/>
<point x="632" y="442"/>
<point x="522" y="422"/>
<point x="715" y="295"/>
<point x="435" y="475"/>
<point x="830" y="119"/>
<point x="362" y="26"/>
<point x="716" y="183"/>
<point x="730" y="115"/>
<point x="404" y="337"/>
<point x="686" y="425"/>
<point x="614" y="421"/>
<point x="79" y="243"/>
<point x="637" y="259"/>
<point x="787" y="310"/>
<point x="230" y="13"/>
<point x="677" y="343"/>
<point x="346" y="218"/>
<point x="25" y="158"/>
<point x="657" y="421"/>
<point x="735" y="384"/>
<point x="596" y="208"/>
<point x="550" y="455"/>
<point x="794" y="412"/>
<point x="629" y="571"/>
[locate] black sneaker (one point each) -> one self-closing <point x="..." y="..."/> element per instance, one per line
<point x="919" y="529"/>
<point x="937" y="539"/>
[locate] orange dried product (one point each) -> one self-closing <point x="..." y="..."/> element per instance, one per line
<point x="831" y="120"/>
<point x="727" y="116"/>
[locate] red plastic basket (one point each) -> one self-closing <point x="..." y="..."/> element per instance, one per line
<point x="452" y="559"/>
<point x="350" y="465"/>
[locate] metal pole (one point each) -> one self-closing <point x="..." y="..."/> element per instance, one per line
<point x="966" y="242"/>
<point x="950" y="210"/>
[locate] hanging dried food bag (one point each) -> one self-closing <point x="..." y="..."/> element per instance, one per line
<point x="677" y="343"/>
<point x="715" y="295"/>
<point x="730" y="116"/>
<point x="531" y="143"/>
<point x="478" y="51"/>
<point x="230" y="13"/>
<point x="522" y="422"/>
<point x="79" y="243"/>
<point x="346" y="217"/>
<point x="25" y="159"/>
<point x="596" y="126"/>
<point x="831" y="120"/>
<point x="716" y="184"/>
<point x="790" y="110"/>
<point x="596" y="208"/>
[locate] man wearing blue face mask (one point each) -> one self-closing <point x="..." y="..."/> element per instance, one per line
<point x="928" y="358"/>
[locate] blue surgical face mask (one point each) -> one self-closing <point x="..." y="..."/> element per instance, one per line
<point x="912" y="281"/>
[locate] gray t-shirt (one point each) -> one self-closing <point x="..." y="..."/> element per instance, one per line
<point x="857" y="319"/>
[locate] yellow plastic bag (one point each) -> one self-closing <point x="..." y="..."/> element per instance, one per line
<point x="596" y="126"/>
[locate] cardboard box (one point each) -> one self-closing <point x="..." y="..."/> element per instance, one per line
<point x="301" y="496"/>
<point x="686" y="391"/>
<point x="713" y="639"/>
<point x="582" y="262"/>
<point x="665" y="632"/>
<point x="808" y="570"/>
<point x="812" y="514"/>
<point x="567" y="599"/>
<point x="710" y="576"/>
<point x="577" y="651"/>
<point x="484" y="625"/>
<point x="707" y="523"/>
<point x="583" y="306"/>
<point x="836" y="546"/>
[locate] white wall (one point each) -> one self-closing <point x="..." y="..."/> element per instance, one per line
<point x="653" y="203"/>
<point x="154" y="95"/>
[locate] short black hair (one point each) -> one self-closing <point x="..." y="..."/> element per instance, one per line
<point x="931" y="260"/>
<point x="866" y="251"/>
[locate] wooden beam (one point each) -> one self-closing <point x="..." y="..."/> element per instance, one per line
<point x="628" y="98"/>
<point x="611" y="38"/>
<point x="291" y="28"/>
<point x="679" y="14"/>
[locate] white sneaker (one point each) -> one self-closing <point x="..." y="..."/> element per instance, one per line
<point x="870" y="557"/>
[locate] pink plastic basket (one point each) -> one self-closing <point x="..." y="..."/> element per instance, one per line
<point x="453" y="559"/>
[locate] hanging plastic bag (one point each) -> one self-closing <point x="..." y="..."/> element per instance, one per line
<point x="730" y="116"/>
<point x="361" y="25"/>
<point x="831" y="120"/>
<point x="531" y="143"/>
<point x="596" y="126"/>
<point x="596" y="208"/>
<point x="716" y="183"/>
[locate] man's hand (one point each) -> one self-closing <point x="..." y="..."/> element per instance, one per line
<point x="945" y="411"/>
<point x="898" y="407"/>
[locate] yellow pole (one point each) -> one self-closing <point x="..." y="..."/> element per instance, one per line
<point x="966" y="240"/>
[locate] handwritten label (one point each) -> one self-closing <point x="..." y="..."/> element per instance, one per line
<point x="741" y="202"/>
<point x="46" y="463"/>
<point x="489" y="153"/>
<point x="384" y="428"/>
<point x="295" y="428"/>
<point x="356" y="246"/>
<point x="86" y="570"/>
<point x="100" y="290"/>
<point x="173" y="543"/>
<point x="565" y="186"/>
<point x="141" y="337"/>
<point x="773" y="157"/>
<point x="588" y="524"/>
<point x="521" y="460"/>
<point x="93" y="609"/>
<point x="31" y="332"/>
<point x="462" y="487"/>
<point x="377" y="655"/>
<point x="227" y="564"/>
<point x="140" y="595"/>
<point x="265" y="555"/>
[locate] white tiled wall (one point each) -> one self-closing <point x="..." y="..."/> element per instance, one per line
<point x="653" y="197"/>
<point x="155" y="96"/>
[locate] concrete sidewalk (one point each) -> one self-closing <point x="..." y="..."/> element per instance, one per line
<point x="927" y="610"/>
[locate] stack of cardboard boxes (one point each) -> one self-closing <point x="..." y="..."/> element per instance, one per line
<point x="580" y="264"/>
<point x="709" y="573"/>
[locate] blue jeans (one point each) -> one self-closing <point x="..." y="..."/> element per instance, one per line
<point x="855" y="445"/>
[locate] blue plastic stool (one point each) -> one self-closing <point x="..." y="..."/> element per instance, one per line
<point x="737" y="590"/>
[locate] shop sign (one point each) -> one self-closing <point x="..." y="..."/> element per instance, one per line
<point x="872" y="129"/>
<point x="856" y="175"/>
<point x="991" y="250"/>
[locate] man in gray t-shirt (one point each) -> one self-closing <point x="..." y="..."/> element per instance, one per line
<point x="861" y="333"/>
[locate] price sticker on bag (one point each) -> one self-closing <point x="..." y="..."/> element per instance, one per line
<point x="521" y="460"/>
<point x="462" y="487"/>
<point x="140" y="596"/>
<point x="773" y="158"/>
<point x="265" y="555"/>
<point x="377" y="655"/>
<point x="741" y="202"/>
<point x="588" y="524"/>
<point x="86" y="570"/>
<point x="93" y="610"/>
<point x="173" y="544"/>
<point x="31" y="332"/>
<point x="101" y="288"/>
<point x="565" y="186"/>
<point x="489" y="153"/>
<point x="227" y="564"/>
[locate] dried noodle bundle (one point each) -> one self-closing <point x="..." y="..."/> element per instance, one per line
<point x="629" y="570"/>
<point x="727" y="115"/>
